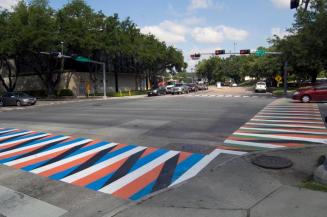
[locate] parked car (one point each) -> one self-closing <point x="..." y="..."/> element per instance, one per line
<point x="157" y="91"/>
<point x="169" y="88"/>
<point x="193" y="87"/>
<point x="260" y="87"/>
<point x="18" y="99"/>
<point x="180" y="89"/>
<point x="202" y="87"/>
<point x="234" y="85"/>
<point x="316" y="93"/>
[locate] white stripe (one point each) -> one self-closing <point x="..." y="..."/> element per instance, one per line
<point x="7" y="131"/>
<point x="18" y="161"/>
<point x="291" y="112"/>
<point x="195" y="169"/>
<point x="252" y="144"/>
<point x="99" y="166"/>
<point x="24" y="140"/>
<point x="270" y="136"/>
<point x="34" y="146"/>
<point x="286" y="117"/>
<point x="281" y="130"/>
<point x="223" y="151"/>
<point x="125" y="180"/>
<point x="15" y="134"/>
<point x="288" y="114"/>
<point x="72" y="158"/>
<point x="286" y="125"/>
<point x="289" y="121"/>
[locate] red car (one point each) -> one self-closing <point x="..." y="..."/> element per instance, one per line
<point x="316" y="93"/>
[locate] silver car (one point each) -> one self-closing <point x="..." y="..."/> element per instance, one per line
<point x="180" y="89"/>
<point x="17" y="98"/>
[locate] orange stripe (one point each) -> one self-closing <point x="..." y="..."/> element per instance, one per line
<point x="138" y="184"/>
<point x="148" y="151"/>
<point x="183" y="156"/>
<point x="99" y="174"/>
<point x="18" y="153"/>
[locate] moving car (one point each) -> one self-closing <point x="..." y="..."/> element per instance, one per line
<point x="180" y="89"/>
<point x="316" y="93"/>
<point x="157" y="91"/>
<point x="18" y="99"/>
<point x="260" y="87"/>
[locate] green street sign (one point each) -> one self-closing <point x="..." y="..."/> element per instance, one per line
<point x="260" y="53"/>
<point x="82" y="59"/>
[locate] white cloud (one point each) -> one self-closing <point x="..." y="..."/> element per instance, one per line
<point x="168" y="31"/>
<point x="283" y="4"/>
<point x="7" y="4"/>
<point x="193" y="21"/>
<point x="199" y="4"/>
<point x="213" y="35"/>
<point x="279" y="32"/>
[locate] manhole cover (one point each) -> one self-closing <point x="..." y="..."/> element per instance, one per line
<point x="272" y="162"/>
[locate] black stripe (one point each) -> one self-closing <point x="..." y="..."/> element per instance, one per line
<point x="41" y="149"/>
<point x="63" y="155"/>
<point x="91" y="161"/>
<point x="166" y="174"/>
<point x="124" y="169"/>
<point x="19" y="145"/>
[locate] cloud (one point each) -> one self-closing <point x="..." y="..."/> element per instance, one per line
<point x="199" y="4"/>
<point x="279" y="32"/>
<point x="283" y="4"/>
<point x="193" y="21"/>
<point x="214" y="35"/>
<point x="168" y="31"/>
<point x="8" y="4"/>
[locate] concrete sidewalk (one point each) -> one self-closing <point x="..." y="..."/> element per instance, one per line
<point x="238" y="188"/>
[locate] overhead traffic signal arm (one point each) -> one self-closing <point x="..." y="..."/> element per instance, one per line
<point x="220" y="52"/>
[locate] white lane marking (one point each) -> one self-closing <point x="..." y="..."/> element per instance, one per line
<point x="7" y="131"/>
<point x="286" y="117"/>
<point x="24" y="139"/>
<point x="198" y="167"/>
<point x="282" y="130"/>
<point x="291" y="112"/>
<point x="291" y="138"/>
<point x="252" y="144"/>
<point x="18" y="161"/>
<point x="288" y="114"/>
<point x="125" y="180"/>
<point x="99" y="166"/>
<point x="34" y="146"/>
<point x="15" y="134"/>
<point x="287" y="125"/>
<point x="288" y="121"/>
<point x="72" y="158"/>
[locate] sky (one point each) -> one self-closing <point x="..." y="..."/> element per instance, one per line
<point x="200" y="25"/>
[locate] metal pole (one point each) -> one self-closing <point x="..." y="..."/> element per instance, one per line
<point x="285" y="78"/>
<point x="104" y="81"/>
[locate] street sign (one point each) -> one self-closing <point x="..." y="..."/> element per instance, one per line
<point x="82" y="59"/>
<point x="260" y="53"/>
<point x="278" y="78"/>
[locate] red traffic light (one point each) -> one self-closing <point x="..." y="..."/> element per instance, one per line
<point x="245" y="51"/>
<point x="220" y="52"/>
<point x="195" y="56"/>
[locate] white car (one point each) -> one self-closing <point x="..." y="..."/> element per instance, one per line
<point x="261" y="87"/>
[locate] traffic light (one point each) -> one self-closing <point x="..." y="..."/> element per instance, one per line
<point x="246" y="51"/>
<point x="195" y="56"/>
<point x="220" y="52"/>
<point x="295" y="4"/>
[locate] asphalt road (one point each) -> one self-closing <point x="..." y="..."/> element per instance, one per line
<point x="195" y="124"/>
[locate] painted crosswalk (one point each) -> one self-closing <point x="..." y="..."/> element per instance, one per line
<point x="282" y="124"/>
<point x="125" y="171"/>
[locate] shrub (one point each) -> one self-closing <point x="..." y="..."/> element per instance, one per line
<point x="66" y="92"/>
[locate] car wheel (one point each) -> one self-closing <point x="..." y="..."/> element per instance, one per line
<point x="18" y="103"/>
<point x="305" y="99"/>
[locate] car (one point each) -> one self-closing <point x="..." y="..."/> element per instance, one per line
<point x="202" y="87"/>
<point x="260" y="87"/>
<point x="193" y="87"/>
<point x="180" y="89"/>
<point x="308" y="94"/>
<point x="169" y="88"/>
<point x="157" y="91"/>
<point x="234" y="85"/>
<point x="17" y="99"/>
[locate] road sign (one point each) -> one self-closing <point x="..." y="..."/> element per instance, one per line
<point x="260" y="53"/>
<point x="278" y="78"/>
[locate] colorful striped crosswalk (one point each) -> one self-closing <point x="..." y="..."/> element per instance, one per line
<point x="125" y="171"/>
<point x="282" y="124"/>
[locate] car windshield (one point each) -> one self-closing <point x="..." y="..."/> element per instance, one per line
<point x="261" y="83"/>
<point x="178" y="85"/>
<point x="23" y="95"/>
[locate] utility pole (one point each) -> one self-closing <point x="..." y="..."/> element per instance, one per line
<point x="104" y="80"/>
<point x="285" y="78"/>
<point x="62" y="57"/>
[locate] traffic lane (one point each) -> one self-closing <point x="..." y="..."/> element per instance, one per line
<point x="181" y="123"/>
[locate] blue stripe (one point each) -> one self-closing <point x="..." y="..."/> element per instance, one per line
<point x="148" y="158"/>
<point x="25" y="137"/>
<point x="96" y="185"/>
<point x="186" y="165"/>
<point x="145" y="191"/>
<point x="62" y="174"/>
<point x="6" y="129"/>
<point x="63" y="143"/>
<point x="33" y="166"/>
<point x="13" y="133"/>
